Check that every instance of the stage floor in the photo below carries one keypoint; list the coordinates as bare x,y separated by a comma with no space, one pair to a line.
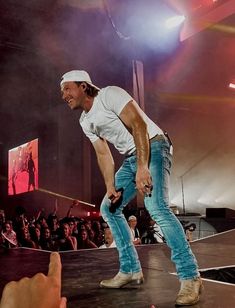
82,271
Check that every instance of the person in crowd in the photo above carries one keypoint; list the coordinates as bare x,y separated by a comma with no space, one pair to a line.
46,241
71,219
91,234
37,224
39,291
9,238
108,239
99,233
111,115
81,226
24,238
152,234
83,240
135,234
20,220
54,226
43,221
157,231
88,224
73,226
35,235
66,241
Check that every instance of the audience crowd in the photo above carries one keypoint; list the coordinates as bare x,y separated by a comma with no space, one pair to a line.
68,233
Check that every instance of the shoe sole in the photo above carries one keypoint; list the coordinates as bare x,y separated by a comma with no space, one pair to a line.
188,304
135,282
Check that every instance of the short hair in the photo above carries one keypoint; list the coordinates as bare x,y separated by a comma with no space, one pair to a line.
90,91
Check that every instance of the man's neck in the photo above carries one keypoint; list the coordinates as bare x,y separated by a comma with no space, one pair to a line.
88,104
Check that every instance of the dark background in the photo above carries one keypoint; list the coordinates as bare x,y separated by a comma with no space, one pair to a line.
186,93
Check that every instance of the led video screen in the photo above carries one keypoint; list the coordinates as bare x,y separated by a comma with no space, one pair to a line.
23,168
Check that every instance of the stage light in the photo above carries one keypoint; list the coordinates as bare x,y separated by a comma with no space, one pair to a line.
174,21
151,26
232,85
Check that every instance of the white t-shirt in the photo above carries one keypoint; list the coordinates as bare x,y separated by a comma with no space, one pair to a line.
134,232
102,120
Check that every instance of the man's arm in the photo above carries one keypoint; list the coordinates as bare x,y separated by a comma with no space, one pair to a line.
107,168
132,118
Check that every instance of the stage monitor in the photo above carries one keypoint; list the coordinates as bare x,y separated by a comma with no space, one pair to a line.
23,168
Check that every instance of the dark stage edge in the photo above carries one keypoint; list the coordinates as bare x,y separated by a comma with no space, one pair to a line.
82,271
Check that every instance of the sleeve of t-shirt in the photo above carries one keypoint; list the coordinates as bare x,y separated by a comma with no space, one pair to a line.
116,98
93,137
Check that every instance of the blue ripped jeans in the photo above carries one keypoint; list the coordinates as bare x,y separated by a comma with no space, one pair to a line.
158,208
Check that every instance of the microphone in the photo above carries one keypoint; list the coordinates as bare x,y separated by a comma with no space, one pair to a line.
114,206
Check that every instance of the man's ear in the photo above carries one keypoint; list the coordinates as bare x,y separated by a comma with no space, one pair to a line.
84,86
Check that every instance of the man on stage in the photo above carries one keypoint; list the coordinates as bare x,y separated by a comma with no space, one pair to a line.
111,115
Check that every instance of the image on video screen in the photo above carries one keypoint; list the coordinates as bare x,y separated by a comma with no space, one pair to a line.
23,168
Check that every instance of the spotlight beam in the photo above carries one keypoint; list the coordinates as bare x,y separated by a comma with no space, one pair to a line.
174,21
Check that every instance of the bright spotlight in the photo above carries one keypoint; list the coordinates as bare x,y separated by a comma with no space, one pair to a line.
232,85
174,21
